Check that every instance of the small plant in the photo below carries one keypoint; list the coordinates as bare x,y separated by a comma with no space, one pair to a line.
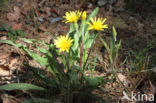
140,57
67,58
113,48
137,62
113,51
12,34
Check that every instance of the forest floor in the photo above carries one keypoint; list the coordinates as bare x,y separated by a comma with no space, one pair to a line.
41,19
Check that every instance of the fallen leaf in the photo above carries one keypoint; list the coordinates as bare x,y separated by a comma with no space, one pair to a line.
26,7
17,10
17,26
55,10
42,28
4,55
12,17
152,87
48,11
5,98
37,13
123,79
15,15
12,63
4,71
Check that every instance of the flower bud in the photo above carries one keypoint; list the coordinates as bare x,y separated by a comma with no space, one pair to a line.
84,16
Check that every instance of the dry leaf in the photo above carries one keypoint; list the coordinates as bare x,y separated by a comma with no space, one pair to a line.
15,15
17,26
5,98
12,17
4,71
17,10
42,28
123,79
26,7
152,87
4,55
48,11
12,62
55,10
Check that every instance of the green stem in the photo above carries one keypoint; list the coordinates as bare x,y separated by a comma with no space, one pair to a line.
67,63
81,49
90,51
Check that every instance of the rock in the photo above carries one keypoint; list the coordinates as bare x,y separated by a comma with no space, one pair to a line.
102,2
131,18
111,1
53,20
140,25
3,38
119,9
90,5
110,8
40,19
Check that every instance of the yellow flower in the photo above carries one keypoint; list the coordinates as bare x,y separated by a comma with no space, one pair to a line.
97,24
72,16
63,43
84,15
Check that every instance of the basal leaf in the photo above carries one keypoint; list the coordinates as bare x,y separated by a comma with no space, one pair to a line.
20,86
11,43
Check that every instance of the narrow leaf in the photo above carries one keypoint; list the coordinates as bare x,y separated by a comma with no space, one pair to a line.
20,86
94,13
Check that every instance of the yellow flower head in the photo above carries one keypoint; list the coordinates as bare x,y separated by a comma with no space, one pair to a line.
72,16
97,24
63,43
84,15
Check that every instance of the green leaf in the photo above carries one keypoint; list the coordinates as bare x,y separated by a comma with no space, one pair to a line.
36,100
27,40
49,81
42,50
114,33
92,81
3,1
11,43
88,43
93,14
71,28
73,75
20,86
5,27
85,55
76,41
40,59
20,33
105,44
86,36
